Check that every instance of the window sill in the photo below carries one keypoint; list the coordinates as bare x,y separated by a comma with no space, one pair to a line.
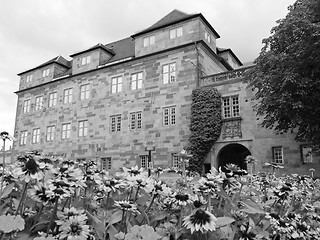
231,119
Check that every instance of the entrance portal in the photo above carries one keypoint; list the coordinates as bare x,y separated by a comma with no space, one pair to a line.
233,153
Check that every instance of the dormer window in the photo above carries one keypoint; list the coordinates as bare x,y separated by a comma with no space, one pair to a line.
85,60
176,32
207,36
147,41
46,72
29,78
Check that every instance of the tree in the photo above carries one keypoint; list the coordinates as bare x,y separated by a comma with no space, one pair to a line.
286,75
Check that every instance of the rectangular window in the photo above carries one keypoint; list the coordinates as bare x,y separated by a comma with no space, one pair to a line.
230,107
176,32
39,103
36,135
66,130
53,99
85,60
26,106
169,73
306,153
116,84
169,116
67,95
175,160
23,138
277,153
207,36
29,78
135,120
84,91
115,123
136,81
46,72
50,133
83,128
144,161
106,163
148,41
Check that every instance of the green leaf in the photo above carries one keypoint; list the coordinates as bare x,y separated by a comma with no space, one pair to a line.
115,218
7,190
223,221
159,216
251,207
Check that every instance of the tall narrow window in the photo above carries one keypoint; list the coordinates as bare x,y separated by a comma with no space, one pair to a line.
136,81
85,60
144,161
169,116
29,78
51,133
53,99
176,32
115,123
23,138
66,130
83,128
36,135
67,95
84,91
106,163
277,155
230,107
148,41
207,36
26,106
169,73
306,153
46,72
175,160
135,120
39,103
116,84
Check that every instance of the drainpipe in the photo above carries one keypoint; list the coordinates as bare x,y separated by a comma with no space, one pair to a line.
198,70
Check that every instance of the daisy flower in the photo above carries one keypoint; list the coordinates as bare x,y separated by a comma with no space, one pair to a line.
67,213
126,206
181,199
74,229
40,193
29,169
200,220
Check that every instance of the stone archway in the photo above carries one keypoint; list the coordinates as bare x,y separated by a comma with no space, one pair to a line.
233,153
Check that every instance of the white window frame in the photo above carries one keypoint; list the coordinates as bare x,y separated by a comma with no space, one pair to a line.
175,32
230,106
169,116
67,95
83,128
116,84
306,154
53,99
36,135
144,161
136,80
115,123
38,103
106,163
85,91
175,160
65,131
29,78
277,155
23,137
85,60
46,72
51,130
169,73
135,121
207,36
26,105
150,40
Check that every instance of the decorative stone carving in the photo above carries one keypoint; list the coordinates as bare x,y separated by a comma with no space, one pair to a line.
231,128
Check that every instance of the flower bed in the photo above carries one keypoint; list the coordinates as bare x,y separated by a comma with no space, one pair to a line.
44,198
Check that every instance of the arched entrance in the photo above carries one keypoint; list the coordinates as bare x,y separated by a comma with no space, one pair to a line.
233,153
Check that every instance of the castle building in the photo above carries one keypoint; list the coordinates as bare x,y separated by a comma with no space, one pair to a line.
117,103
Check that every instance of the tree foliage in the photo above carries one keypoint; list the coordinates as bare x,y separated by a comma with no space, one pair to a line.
205,125
286,74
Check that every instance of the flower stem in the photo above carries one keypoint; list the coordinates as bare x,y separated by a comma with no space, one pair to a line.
152,200
54,212
22,198
136,196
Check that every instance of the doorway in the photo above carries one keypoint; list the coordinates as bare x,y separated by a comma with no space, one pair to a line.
233,153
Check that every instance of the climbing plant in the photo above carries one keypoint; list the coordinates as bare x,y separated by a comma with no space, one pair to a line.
205,125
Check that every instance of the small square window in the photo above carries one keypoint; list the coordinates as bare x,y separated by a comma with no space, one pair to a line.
277,153
176,32
46,72
29,78
85,60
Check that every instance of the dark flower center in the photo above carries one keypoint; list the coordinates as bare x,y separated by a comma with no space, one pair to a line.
31,166
74,228
182,197
197,203
200,217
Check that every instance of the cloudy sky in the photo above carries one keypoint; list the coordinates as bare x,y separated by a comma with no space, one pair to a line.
34,31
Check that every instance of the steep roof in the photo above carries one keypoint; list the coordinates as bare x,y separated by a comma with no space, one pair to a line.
99,45
221,50
58,60
123,48
174,17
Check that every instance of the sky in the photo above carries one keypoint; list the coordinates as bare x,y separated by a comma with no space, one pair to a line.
35,31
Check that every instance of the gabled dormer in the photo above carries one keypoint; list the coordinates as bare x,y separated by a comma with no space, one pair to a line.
175,29
91,58
46,72
229,57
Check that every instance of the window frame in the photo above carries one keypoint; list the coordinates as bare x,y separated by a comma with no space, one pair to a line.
135,80
38,103
67,97
23,138
29,78
46,72
169,118
136,123
26,105
207,36
143,160
275,155
65,132
304,151
50,133
35,136
83,127
148,41
85,60
84,91
176,32
167,75
117,86
115,123
233,109
53,101
175,160
106,163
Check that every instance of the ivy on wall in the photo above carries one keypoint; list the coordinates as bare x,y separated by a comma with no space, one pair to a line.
205,125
